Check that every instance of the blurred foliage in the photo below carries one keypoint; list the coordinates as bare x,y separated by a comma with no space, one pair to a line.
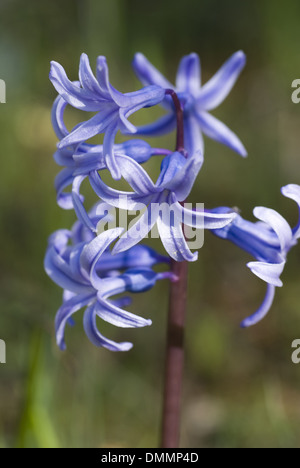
241,389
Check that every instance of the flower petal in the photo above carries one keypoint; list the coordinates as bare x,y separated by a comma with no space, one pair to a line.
57,117
72,93
93,251
193,138
269,272
278,224
119,317
89,128
203,219
90,327
262,310
139,230
219,86
174,241
117,198
135,175
163,125
293,191
147,73
188,76
65,312
218,131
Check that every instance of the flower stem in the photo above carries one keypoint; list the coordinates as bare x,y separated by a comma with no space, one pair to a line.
174,357
176,325
180,126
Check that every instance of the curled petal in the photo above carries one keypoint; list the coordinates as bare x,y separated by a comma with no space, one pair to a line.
139,230
90,327
174,241
89,128
87,78
63,179
135,175
72,93
219,86
183,178
278,224
262,310
203,219
269,272
60,272
188,76
57,117
119,317
65,312
116,198
108,150
293,191
93,251
218,131
80,211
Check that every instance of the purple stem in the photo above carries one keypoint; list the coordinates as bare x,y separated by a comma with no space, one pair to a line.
176,325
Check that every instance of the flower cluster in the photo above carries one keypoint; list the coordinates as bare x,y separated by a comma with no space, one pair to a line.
82,261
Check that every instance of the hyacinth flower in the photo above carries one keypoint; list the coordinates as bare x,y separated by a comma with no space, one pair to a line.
269,240
96,94
162,203
81,270
197,101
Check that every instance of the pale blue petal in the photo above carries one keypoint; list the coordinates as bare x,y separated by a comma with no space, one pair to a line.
90,327
193,138
277,223
174,241
293,191
147,73
117,198
93,251
65,312
139,230
119,317
218,131
262,310
72,93
269,272
89,128
188,76
219,86
61,274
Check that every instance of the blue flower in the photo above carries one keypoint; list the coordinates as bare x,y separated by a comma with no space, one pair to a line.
95,94
268,241
195,99
161,202
90,275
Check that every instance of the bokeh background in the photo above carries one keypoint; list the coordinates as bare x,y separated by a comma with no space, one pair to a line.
241,388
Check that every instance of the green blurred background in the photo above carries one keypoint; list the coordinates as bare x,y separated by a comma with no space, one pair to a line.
241,388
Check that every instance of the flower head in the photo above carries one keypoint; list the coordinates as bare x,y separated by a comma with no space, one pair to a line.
160,202
269,240
96,94
195,99
90,275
